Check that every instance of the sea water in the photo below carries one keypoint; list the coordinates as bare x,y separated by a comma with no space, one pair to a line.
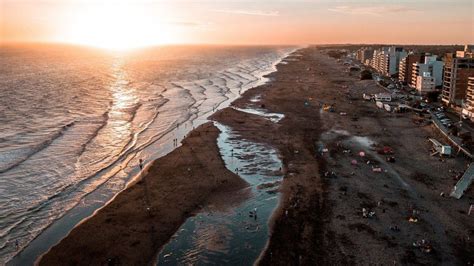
74,122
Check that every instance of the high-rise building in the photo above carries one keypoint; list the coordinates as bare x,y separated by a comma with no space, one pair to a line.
405,68
431,65
387,60
376,58
364,55
468,108
458,68
425,83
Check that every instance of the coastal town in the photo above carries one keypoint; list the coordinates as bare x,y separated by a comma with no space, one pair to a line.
232,132
426,83
422,137
371,174
450,75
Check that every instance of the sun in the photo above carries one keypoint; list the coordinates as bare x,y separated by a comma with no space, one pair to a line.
116,26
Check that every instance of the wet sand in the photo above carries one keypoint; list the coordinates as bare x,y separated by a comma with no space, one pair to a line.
135,224
297,231
319,219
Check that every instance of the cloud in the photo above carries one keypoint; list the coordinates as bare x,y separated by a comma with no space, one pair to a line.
373,10
250,12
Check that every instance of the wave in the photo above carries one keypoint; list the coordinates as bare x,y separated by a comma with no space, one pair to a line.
103,123
180,102
34,149
126,150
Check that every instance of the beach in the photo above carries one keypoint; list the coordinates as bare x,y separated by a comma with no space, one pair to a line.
320,217
131,228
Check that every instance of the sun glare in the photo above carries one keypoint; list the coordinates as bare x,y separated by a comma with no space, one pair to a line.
115,26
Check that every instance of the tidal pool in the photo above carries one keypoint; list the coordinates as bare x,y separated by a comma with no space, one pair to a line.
231,235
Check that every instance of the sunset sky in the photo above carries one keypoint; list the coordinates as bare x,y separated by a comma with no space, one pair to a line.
146,22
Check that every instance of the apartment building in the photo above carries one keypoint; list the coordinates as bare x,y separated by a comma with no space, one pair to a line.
431,65
457,70
468,108
387,60
364,55
425,83
405,68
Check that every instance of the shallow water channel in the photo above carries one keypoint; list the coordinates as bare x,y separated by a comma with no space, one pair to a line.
230,235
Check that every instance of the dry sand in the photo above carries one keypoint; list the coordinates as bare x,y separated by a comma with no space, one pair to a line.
319,220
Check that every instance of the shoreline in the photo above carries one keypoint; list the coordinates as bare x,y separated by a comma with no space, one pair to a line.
290,136
154,206
197,121
61,227
318,218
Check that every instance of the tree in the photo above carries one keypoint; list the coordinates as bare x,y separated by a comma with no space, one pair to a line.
365,74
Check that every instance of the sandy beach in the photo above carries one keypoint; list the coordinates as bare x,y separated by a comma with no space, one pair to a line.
323,213
320,216
142,218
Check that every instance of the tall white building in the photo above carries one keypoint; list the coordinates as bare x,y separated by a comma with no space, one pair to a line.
468,108
387,60
431,65
425,83
458,68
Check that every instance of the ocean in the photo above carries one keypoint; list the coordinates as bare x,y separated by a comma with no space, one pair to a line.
74,121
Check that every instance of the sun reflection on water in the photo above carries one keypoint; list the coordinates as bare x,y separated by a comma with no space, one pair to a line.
124,103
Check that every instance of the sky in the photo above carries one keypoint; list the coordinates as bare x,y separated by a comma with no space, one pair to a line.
131,23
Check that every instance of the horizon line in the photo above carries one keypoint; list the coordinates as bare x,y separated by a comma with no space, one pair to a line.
228,44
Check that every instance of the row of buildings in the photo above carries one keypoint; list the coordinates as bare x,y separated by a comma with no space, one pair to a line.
453,76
